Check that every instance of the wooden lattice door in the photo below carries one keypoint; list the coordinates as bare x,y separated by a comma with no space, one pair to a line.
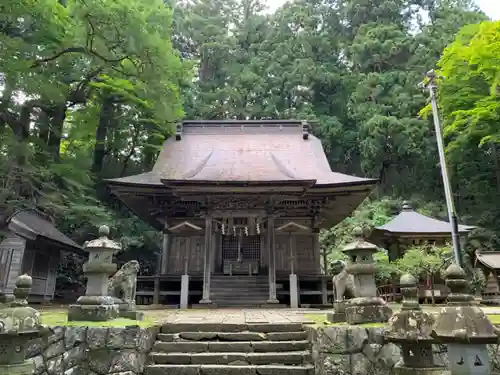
241,254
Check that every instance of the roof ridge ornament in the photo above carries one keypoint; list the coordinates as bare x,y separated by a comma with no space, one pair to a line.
178,131
407,206
305,130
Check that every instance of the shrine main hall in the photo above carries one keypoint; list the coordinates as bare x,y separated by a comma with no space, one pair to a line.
240,205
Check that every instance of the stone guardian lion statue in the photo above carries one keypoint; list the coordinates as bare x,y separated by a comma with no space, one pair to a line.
343,285
123,284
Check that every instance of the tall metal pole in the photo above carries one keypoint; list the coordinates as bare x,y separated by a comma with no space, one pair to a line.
452,215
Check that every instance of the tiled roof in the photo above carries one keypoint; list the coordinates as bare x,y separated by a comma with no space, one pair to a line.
31,224
490,259
410,221
243,151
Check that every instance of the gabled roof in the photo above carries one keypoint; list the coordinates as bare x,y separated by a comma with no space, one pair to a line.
271,151
409,221
489,259
33,225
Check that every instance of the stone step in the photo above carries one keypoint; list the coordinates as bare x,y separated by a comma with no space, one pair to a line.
243,293
222,302
232,358
228,370
232,327
229,346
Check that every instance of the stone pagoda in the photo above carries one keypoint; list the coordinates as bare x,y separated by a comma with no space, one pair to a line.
411,329
96,305
464,327
19,324
366,307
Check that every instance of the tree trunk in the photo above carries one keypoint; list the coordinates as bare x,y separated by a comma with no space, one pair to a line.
101,133
431,276
5,103
496,162
56,129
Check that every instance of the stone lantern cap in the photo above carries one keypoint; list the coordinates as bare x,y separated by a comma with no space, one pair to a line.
410,325
359,244
18,319
461,321
103,242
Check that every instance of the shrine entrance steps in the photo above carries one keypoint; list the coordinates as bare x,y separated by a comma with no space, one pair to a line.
231,349
239,290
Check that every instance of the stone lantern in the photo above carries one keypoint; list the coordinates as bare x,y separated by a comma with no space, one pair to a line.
411,330
96,305
464,328
19,324
366,307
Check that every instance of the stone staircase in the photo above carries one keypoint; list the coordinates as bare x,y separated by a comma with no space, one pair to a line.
227,349
239,290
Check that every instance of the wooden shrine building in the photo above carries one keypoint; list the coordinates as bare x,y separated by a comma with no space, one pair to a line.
240,204
411,228
489,263
32,245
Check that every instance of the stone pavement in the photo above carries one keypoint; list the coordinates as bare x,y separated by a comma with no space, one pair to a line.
233,316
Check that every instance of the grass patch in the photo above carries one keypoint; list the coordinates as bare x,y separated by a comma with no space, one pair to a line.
60,318
494,318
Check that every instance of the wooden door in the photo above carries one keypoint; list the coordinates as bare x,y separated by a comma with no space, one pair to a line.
241,254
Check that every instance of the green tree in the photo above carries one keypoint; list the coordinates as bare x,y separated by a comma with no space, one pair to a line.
425,261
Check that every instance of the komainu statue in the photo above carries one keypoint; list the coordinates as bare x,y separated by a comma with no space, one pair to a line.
123,284
343,285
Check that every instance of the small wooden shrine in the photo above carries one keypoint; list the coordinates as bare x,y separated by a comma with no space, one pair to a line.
410,228
489,263
240,204
32,246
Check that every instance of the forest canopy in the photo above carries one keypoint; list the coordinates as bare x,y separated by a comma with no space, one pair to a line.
91,88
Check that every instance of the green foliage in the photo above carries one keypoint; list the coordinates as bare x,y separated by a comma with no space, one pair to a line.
91,88
424,260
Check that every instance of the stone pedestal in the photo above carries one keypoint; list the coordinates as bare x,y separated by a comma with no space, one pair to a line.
25,368
401,369
294,291
96,305
338,314
184,291
367,310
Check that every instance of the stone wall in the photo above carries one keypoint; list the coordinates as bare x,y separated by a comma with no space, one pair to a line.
93,351
357,350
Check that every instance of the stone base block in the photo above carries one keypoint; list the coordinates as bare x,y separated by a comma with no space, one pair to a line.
93,313
402,370
335,317
360,314
25,368
273,305
134,315
204,306
6,298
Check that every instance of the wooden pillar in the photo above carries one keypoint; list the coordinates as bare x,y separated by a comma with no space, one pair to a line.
156,293
166,244
207,269
324,291
272,260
